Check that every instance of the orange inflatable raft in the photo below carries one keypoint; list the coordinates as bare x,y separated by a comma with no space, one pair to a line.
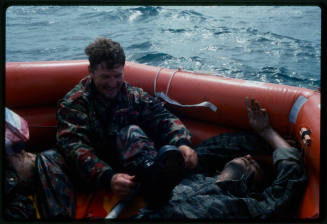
33,88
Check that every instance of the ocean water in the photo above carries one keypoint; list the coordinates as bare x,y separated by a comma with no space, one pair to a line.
278,44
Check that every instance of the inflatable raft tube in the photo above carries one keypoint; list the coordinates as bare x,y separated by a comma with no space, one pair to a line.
33,88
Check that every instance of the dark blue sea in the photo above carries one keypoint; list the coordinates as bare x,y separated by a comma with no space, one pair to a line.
278,44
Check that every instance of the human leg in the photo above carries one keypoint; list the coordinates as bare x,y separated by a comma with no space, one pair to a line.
134,147
158,170
55,191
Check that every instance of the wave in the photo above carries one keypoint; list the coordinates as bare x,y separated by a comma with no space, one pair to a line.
33,10
283,75
142,13
154,58
193,38
119,14
177,30
221,30
147,10
142,46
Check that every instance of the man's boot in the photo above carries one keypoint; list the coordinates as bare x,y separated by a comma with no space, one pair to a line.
161,175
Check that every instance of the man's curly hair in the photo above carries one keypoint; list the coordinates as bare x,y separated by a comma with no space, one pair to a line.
105,51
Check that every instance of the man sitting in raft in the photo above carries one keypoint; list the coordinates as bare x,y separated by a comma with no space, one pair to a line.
115,135
240,190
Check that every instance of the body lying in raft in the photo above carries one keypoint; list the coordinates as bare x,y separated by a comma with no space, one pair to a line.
242,189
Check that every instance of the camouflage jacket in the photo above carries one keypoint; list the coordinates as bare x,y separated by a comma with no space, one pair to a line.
88,124
198,196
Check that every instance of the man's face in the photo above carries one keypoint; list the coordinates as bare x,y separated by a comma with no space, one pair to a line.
24,164
242,166
108,81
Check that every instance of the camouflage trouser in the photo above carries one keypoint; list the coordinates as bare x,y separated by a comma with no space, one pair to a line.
134,147
55,193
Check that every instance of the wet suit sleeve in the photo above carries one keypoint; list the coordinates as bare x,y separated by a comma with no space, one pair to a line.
162,122
280,199
73,137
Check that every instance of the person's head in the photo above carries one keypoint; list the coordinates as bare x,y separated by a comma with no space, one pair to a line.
245,168
23,163
107,60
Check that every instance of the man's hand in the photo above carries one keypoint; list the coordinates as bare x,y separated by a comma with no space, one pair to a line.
259,121
122,184
258,117
190,156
